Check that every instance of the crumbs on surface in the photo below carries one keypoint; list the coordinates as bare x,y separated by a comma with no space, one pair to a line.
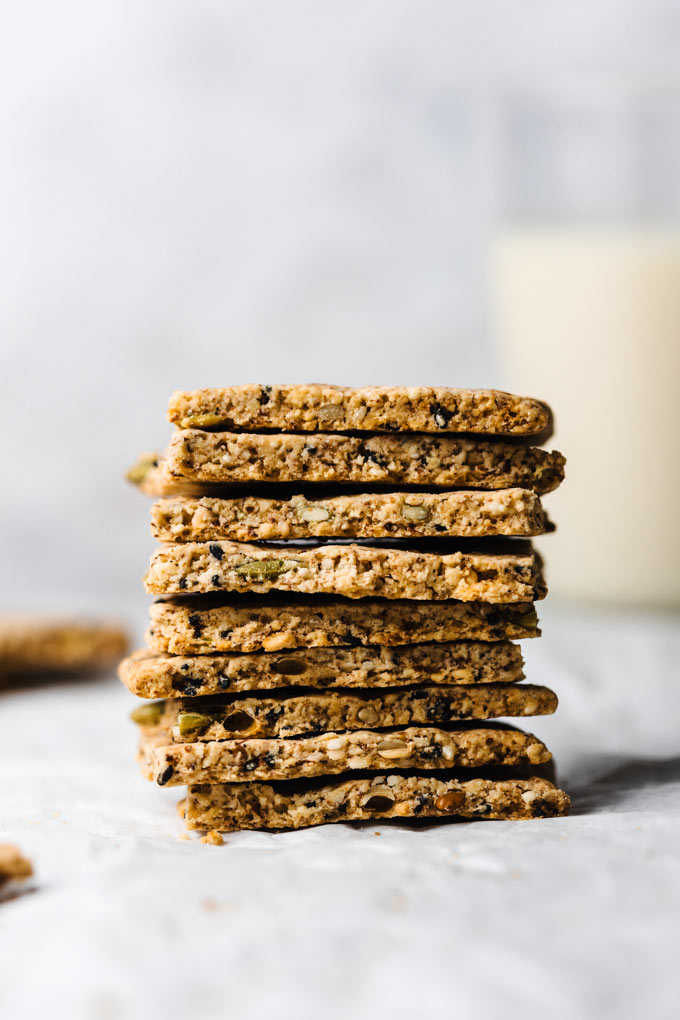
13,864
213,837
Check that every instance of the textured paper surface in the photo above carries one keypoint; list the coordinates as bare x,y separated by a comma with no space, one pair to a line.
567,918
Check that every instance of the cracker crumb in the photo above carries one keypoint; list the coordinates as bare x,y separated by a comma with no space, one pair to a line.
13,864
213,837
397,902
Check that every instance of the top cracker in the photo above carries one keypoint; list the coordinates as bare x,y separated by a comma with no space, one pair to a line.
315,407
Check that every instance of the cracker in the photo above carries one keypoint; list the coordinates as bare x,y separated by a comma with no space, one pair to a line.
468,514
271,623
13,865
285,715
313,407
36,645
353,571
153,675
416,747
214,458
229,807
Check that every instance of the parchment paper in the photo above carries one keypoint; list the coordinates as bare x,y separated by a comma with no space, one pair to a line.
563,918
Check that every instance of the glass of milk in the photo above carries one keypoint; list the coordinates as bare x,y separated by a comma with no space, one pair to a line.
586,287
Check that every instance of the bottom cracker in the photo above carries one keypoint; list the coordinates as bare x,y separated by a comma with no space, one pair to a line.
294,805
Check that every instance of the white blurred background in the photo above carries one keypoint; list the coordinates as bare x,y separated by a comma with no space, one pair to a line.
210,193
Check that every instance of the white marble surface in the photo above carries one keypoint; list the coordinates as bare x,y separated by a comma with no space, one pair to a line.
566,918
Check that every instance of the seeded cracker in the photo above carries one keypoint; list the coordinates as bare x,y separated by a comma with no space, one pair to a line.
467,514
284,715
324,408
228,761
153,675
219,458
35,645
271,623
354,571
297,804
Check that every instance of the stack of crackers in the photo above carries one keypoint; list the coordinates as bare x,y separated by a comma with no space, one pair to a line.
342,577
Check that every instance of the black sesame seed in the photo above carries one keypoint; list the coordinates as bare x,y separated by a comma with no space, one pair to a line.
441,416
421,801
440,709
431,753
216,550
216,580
165,776
186,684
182,583
377,458
196,623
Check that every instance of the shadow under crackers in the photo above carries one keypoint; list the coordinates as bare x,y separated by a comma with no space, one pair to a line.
15,891
605,782
28,683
